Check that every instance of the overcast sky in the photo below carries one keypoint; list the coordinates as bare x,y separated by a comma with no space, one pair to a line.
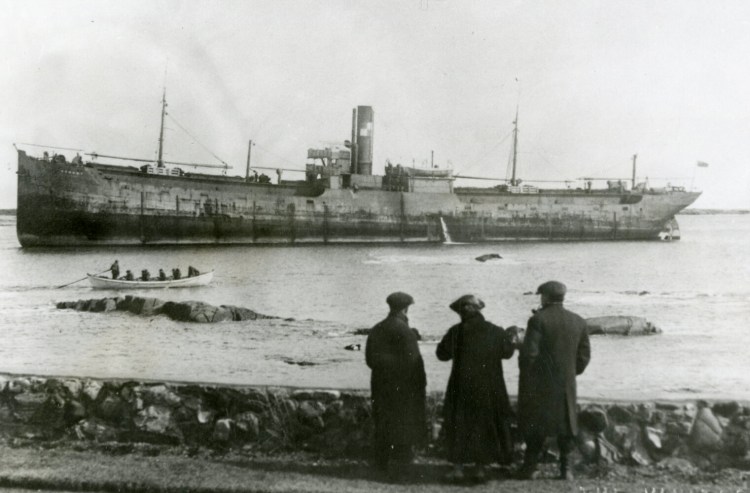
595,81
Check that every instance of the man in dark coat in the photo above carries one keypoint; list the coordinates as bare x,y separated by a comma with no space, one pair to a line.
397,387
555,349
477,411
115,268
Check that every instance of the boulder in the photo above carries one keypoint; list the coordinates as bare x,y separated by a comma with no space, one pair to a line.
223,430
73,386
205,313
727,409
311,410
18,385
27,405
239,313
103,305
621,325
653,437
488,256
205,416
248,424
123,303
82,305
666,406
145,306
159,395
679,428
593,419
621,414
706,432
200,312
176,311
92,389
73,411
92,429
114,409
156,420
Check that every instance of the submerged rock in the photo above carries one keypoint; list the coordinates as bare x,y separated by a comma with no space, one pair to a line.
488,256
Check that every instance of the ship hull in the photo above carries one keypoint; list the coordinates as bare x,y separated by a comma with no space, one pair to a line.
64,204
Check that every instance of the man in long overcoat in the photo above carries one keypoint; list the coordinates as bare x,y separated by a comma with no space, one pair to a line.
397,386
477,411
555,349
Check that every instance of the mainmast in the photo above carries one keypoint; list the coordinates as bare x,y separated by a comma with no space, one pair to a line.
513,182
159,161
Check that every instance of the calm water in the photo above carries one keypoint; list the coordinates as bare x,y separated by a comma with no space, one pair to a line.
697,291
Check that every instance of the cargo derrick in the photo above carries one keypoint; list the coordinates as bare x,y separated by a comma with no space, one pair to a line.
65,203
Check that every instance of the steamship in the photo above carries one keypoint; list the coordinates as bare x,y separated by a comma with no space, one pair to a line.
81,201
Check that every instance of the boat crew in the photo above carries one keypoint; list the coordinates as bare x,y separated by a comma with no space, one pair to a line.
145,275
176,274
162,275
128,275
115,268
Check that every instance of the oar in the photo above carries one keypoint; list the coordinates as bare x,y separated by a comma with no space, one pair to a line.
83,278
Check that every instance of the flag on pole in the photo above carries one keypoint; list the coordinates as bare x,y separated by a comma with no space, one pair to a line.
701,164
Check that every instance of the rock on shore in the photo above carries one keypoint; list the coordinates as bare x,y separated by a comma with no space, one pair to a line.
183,311
681,436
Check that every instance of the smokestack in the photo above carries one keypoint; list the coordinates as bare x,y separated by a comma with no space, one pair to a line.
365,131
354,142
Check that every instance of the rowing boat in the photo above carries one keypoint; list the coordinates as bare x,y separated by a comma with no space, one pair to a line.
100,282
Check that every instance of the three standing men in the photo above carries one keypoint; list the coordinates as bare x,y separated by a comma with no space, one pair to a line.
555,349
398,385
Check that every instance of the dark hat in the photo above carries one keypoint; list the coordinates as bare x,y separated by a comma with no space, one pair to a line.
399,300
554,290
466,300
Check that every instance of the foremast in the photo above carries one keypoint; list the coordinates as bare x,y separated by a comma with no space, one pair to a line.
159,160
513,181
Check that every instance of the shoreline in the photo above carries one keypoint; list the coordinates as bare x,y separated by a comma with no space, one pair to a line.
696,436
582,399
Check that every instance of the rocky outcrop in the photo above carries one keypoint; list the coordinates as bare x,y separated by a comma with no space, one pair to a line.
621,325
676,436
182,311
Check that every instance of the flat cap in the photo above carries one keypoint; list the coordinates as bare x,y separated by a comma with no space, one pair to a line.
467,300
399,300
554,290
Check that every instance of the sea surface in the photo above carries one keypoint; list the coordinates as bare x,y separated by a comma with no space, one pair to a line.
697,290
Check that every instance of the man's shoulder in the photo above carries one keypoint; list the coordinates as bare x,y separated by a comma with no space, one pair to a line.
556,312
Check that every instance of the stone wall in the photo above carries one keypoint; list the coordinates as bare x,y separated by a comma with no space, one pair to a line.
334,423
